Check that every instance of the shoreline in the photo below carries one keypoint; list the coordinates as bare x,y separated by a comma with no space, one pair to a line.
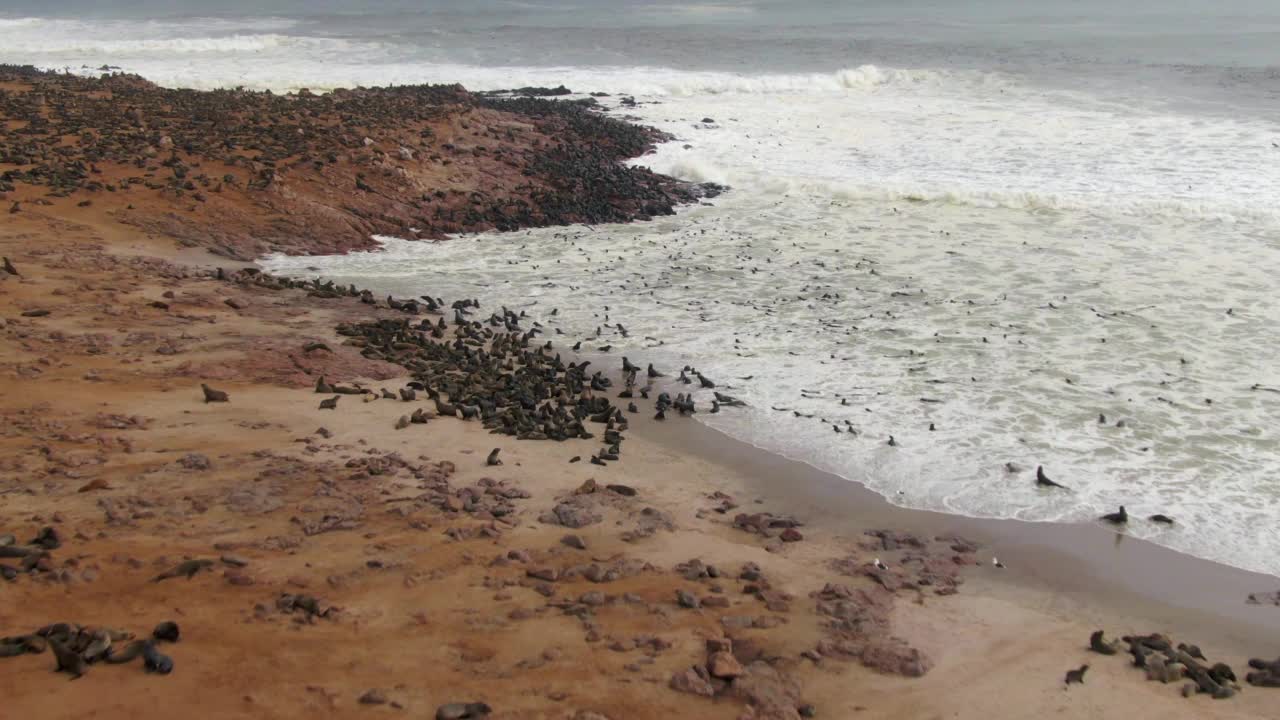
348,548
1186,591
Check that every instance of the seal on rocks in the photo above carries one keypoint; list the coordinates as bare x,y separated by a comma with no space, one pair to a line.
211,395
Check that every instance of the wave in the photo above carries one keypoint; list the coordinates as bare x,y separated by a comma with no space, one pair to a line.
175,46
1029,200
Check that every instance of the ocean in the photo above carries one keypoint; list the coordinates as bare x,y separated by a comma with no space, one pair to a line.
1027,233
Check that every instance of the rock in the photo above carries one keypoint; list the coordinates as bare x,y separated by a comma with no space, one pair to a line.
693,680
574,541
895,657
236,303
791,535
195,461
373,696
771,694
715,601
724,665
686,599
547,574
94,484
234,560
589,715
462,711
573,516
592,598
405,153
624,490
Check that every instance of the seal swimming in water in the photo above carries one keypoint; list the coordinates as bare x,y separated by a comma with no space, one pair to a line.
1116,518
1043,480
330,404
211,395
68,661
1162,519
188,569
1076,676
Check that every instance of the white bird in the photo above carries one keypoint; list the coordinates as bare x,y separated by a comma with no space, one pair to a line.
996,562
881,565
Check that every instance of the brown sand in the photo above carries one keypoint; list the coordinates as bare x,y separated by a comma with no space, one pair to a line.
429,618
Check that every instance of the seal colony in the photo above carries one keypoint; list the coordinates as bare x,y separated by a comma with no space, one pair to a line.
245,173
314,561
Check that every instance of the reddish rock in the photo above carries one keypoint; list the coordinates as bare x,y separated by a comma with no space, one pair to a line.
724,665
791,535
694,680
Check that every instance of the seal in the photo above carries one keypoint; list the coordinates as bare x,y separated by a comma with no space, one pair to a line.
1076,676
69,661
188,569
211,395
493,457
330,404
167,631
1116,518
1098,645
1162,519
155,661
1043,480
130,652
98,647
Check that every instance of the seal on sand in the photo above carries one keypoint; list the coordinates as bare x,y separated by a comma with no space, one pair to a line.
1098,645
211,395
155,661
1076,676
167,631
330,404
188,568
493,457
68,661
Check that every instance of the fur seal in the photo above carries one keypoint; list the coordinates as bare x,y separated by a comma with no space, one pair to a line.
167,631
1192,650
9,268
403,422
462,711
47,538
1076,676
130,652
211,395
408,394
330,404
188,569
1162,519
69,661
155,661
99,645
1043,480
1098,645
493,457
322,387
1116,518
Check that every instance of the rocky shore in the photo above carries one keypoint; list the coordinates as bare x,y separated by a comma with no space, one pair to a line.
373,505
244,173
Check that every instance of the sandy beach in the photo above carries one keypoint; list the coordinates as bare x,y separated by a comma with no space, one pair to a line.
360,569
